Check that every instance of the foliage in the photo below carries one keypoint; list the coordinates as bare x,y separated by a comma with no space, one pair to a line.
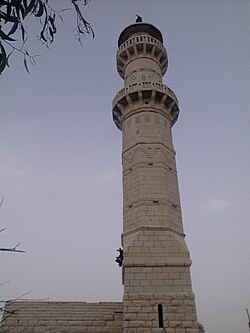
14,14
4,314
9,249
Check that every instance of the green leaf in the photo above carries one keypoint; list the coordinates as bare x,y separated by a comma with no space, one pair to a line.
23,11
32,5
14,28
52,22
26,65
7,59
3,36
39,13
3,58
51,35
6,17
23,32
25,4
43,37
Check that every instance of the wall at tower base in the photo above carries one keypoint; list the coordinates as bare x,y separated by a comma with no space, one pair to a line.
62,317
141,313
103,317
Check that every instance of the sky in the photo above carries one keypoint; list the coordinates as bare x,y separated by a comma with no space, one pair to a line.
60,156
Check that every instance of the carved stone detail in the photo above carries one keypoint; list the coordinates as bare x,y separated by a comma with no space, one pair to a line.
148,94
141,46
153,152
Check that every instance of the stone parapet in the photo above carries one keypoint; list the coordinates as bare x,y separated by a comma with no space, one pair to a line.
151,96
142,46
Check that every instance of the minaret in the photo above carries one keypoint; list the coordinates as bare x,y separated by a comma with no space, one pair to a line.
158,294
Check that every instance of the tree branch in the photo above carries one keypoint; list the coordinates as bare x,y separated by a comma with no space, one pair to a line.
13,14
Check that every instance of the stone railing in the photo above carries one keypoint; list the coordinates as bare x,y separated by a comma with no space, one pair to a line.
140,46
139,39
145,85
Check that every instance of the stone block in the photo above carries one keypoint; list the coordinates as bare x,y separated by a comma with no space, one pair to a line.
188,324
175,324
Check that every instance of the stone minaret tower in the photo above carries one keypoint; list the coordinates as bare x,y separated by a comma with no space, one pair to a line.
158,294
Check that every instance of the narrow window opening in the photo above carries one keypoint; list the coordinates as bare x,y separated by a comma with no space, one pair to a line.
155,201
160,316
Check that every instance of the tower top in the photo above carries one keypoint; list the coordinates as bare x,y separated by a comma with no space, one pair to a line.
137,28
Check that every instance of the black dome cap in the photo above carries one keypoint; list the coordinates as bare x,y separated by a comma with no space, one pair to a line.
139,27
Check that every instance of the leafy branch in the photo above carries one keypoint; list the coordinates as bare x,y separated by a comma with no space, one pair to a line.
14,14
8,313
10,249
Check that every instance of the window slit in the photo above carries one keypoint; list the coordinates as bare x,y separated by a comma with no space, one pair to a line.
160,315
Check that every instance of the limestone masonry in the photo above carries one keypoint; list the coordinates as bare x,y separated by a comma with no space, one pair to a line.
158,294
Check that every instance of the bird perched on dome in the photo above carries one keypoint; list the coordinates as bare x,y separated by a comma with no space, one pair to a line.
138,19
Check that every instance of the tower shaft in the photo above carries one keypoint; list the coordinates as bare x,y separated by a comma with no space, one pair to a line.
156,267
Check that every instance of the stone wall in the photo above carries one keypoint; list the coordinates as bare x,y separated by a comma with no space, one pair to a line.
62,317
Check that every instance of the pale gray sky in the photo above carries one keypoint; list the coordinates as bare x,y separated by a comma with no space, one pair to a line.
61,157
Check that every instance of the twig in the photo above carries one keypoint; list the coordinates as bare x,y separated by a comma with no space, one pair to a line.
2,284
1,201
